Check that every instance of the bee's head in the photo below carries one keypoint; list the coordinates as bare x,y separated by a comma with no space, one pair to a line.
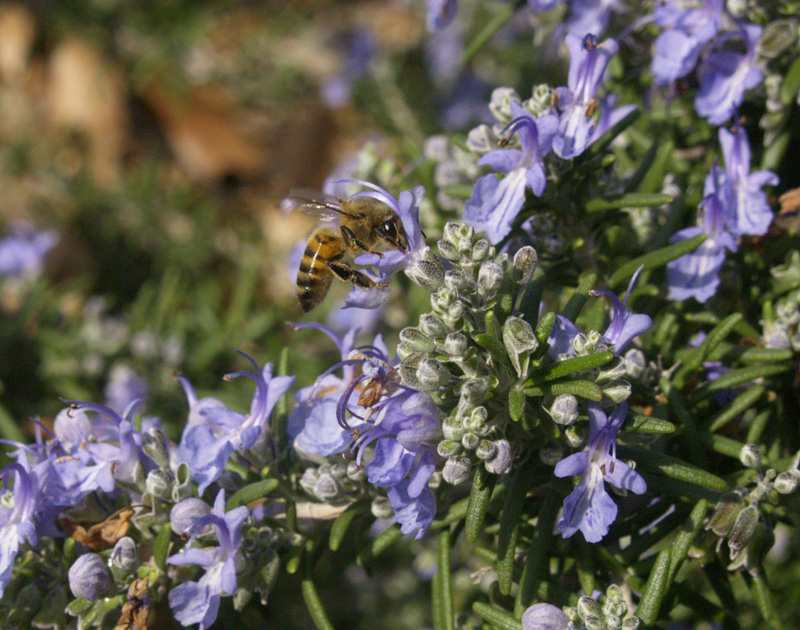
391,230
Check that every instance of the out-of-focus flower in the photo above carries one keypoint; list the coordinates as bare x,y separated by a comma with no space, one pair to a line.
496,203
440,14
697,274
725,75
124,387
589,507
540,6
214,432
590,16
578,102
753,214
358,50
23,249
686,31
198,602
544,617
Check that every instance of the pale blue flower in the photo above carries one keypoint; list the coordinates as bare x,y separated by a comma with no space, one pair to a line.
544,617
23,249
17,511
589,507
725,75
753,214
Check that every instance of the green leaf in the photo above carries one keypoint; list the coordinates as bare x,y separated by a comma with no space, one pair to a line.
637,423
314,605
342,523
656,259
161,546
654,461
738,377
462,191
791,83
693,361
457,512
631,200
740,404
545,327
583,389
495,617
530,302
494,344
560,369
586,283
509,524
251,492
385,540
536,561
655,589
479,496
444,602
683,541
763,597
516,404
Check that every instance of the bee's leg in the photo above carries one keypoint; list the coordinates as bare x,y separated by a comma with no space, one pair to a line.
353,243
358,279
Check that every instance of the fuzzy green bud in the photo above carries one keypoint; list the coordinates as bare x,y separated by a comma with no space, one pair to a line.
456,281
750,456
416,340
426,270
635,363
453,429
476,420
500,462
519,339
432,326
525,261
470,441
485,449
786,482
611,371
154,444
125,555
490,279
355,472
728,508
594,623
618,391
474,391
456,344
448,448
588,607
743,529
481,249
159,483
613,622
631,623
431,374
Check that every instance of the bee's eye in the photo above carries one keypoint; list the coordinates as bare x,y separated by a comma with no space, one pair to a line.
389,230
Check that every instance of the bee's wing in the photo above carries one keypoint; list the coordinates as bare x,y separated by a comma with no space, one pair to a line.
316,204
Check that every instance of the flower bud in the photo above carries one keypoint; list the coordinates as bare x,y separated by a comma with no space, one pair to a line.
154,444
786,482
381,508
448,448
426,270
432,326
159,483
443,299
635,363
518,338
588,607
594,623
490,279
266,574
551,453
476,420
89,577
525,261
614,595
416,340
453,429
454,314
728,508
486,449
455,232
564,410
470,441
500,103
456,470
328,488
613,622
456,344
481,250
575,436
743,529
618,391
750,456
355,472
182,488
631,623
456,281
242,597
501,462
125,555
611,371
482,139
474,390
184,514
448,250
432,374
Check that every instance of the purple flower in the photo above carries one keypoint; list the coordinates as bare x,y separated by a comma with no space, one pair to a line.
540,6
589,507
496,203
440,15
678,47
89,577
124,387
16,516
544,617
753,214
23,250
578,102
198,602
214,432
590,16
415,514
724,77
313,426
358,49
625,325
697,274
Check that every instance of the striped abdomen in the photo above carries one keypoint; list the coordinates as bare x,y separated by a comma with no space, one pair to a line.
314,275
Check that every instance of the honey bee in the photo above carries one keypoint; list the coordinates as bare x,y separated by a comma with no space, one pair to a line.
365,225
